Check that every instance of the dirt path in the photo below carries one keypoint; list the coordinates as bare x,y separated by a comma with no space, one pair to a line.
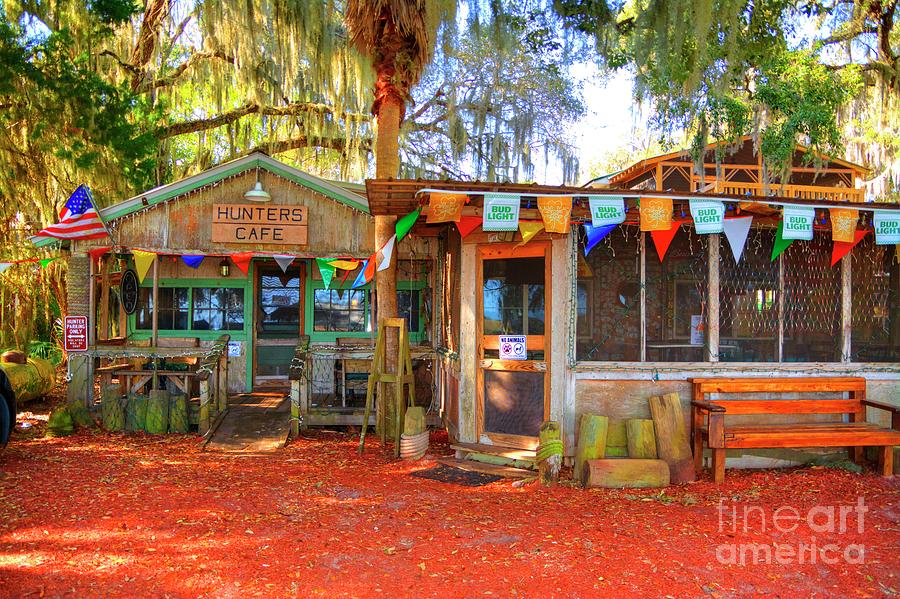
109,515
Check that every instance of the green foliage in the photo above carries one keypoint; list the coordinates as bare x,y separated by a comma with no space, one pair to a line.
803,98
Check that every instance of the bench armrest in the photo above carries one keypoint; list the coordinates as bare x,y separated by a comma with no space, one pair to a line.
880,405
708,406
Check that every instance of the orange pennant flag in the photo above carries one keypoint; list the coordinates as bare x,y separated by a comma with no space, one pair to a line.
842,248
656,214
445,207
556,212
663,239
843,224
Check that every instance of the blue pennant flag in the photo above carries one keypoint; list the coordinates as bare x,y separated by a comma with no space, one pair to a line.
193,260
595,235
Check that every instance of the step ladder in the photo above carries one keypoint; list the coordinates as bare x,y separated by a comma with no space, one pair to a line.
402,381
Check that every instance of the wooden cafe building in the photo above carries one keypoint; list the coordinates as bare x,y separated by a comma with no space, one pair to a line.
525,303
221,280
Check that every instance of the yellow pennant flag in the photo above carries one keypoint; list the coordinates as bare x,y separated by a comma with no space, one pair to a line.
843,224
344,264
656,214
528,229
445,207
556,212
142,262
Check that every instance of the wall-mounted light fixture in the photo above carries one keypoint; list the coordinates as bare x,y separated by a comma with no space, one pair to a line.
224,267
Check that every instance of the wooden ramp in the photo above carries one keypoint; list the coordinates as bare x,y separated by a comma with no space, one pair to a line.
255,422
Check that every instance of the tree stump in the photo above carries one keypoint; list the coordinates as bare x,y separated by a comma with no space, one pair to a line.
591,445
641,438
549,453
672,439
616,439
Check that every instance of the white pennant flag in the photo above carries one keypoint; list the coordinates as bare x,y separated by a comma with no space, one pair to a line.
283,260
386,253
736,230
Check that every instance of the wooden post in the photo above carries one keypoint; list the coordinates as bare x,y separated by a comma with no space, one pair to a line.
295,408
591,444
712,300
104,298
204,407
548,467
846,309
222,379
155,316
780,315
643,250
672,443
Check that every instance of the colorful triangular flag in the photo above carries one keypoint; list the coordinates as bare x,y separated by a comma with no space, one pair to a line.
326,269
528,229
781,243
467,224
842,248
96,253
283,260
445,207
366,272
656,214
386,254
663,239
843,224
595,235
193,260
736,231
344,264
242,261
406,223
46,261
142,262
555,211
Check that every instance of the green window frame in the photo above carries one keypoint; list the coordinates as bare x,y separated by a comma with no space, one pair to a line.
142,330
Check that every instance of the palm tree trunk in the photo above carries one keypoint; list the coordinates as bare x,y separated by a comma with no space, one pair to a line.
387,165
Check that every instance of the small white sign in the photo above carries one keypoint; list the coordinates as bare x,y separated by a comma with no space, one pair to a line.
234,349
513,347
696,329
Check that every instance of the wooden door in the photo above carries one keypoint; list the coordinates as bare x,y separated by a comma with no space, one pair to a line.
513,298
279,302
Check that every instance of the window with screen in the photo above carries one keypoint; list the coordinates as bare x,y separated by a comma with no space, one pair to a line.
279,301
218,309
173,309
340,310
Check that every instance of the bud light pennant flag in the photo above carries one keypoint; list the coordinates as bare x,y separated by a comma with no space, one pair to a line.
887,227
501,212
708,215
798,223
606,210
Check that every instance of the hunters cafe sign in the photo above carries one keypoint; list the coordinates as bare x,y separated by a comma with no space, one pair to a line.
254,224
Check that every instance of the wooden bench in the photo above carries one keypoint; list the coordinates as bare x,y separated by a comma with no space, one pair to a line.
837,396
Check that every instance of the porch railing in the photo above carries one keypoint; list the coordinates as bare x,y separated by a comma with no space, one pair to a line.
212,373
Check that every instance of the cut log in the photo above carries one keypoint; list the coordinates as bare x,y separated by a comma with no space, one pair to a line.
672,440
178,414
591,445
641,438
414,421
616,439
549,452
626,474
31,380
158,412
111,409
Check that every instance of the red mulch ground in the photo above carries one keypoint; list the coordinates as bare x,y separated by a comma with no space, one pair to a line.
109,515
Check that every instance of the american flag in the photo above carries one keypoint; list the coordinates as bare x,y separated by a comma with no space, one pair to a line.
78,219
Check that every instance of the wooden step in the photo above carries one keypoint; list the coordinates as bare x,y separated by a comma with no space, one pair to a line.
504,471
511,453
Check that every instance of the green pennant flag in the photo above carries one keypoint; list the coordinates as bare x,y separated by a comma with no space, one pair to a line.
46,261
326,269
781,243
406,223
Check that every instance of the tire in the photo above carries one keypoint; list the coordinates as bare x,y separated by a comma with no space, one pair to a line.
7,409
